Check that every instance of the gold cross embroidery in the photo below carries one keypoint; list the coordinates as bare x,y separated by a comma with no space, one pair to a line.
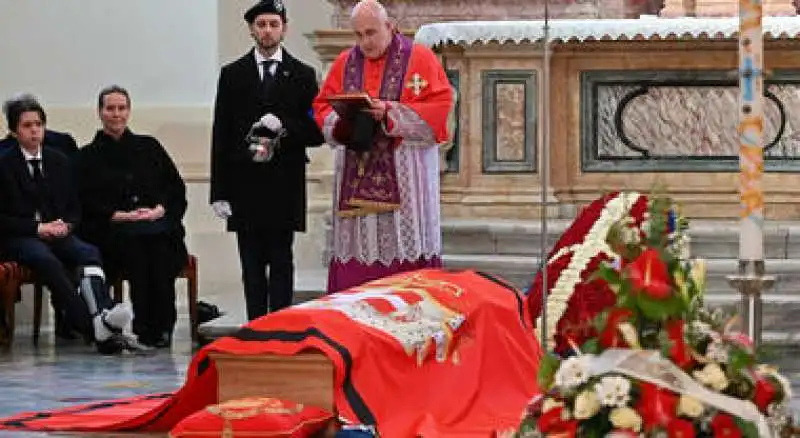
417,84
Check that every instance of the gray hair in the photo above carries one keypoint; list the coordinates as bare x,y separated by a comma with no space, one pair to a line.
371,7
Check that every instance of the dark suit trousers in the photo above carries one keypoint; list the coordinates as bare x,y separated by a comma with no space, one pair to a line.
49,261
267,270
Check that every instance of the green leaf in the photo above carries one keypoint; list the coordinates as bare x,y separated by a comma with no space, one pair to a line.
600,321
739,359
526,428
592,346
596,427
547,370
748,429
608,273
659,310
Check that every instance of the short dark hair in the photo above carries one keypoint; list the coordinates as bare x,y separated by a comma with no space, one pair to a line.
111,89
16,106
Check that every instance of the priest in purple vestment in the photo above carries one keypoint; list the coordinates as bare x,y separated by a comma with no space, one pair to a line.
386,215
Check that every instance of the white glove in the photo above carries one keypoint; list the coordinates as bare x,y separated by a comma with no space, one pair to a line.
222,209
271,122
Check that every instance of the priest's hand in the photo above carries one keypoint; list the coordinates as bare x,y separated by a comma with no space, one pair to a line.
378,109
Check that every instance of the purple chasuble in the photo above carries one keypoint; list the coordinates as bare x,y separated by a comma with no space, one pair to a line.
369,182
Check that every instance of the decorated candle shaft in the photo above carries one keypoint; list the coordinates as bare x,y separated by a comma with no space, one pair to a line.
751,124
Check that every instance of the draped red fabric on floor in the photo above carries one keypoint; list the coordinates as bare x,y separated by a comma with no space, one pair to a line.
430,352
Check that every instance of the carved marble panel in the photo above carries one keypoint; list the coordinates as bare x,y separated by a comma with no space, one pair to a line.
510,127
681,121
509,121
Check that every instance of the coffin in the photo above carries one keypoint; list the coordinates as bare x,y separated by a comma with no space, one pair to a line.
305,378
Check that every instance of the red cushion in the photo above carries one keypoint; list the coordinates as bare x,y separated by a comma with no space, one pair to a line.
253,417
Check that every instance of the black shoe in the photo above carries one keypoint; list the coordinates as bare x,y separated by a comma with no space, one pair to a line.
163,340
111,346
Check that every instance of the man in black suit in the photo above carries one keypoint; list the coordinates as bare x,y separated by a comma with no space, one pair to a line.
39,209
263,196
60,141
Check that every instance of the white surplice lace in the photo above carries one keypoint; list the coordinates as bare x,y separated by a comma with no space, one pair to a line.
411,232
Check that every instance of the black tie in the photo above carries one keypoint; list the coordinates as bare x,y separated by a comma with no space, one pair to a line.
267,80
41,190
36,163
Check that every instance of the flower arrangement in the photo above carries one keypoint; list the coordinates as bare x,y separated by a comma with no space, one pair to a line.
656,362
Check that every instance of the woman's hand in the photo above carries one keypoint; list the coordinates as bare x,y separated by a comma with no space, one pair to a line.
151,214
125,216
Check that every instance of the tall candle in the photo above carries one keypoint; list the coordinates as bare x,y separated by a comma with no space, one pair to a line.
751,126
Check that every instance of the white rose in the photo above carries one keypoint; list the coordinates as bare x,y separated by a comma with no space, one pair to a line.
586,405
690,407
571,373
712,376
625,418
550,403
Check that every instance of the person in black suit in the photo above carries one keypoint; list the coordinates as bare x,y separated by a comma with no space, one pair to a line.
39,209
64,143
263,196
134,201
60,141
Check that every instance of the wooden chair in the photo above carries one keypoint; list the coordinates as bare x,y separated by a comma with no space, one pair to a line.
14,276
8,298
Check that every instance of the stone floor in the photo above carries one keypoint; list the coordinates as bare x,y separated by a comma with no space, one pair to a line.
63,374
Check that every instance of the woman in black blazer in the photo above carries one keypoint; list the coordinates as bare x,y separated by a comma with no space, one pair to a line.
133,202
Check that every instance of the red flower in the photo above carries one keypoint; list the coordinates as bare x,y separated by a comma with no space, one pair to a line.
724,426
550,420
679,352
649,274
678,428
567,429
657,406
610,337
764,394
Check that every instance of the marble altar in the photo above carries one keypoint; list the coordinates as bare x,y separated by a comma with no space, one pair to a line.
634,102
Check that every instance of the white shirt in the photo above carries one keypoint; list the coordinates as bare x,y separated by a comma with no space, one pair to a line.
277,56
37,156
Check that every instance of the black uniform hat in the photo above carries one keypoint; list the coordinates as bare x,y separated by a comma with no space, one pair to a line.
266,7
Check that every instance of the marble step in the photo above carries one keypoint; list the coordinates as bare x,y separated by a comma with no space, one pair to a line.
710,239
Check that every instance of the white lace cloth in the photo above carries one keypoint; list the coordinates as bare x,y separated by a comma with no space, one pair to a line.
411,232
472,32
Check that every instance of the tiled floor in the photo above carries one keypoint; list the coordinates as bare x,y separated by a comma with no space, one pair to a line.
53,376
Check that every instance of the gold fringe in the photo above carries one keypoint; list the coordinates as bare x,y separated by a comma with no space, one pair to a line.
364,208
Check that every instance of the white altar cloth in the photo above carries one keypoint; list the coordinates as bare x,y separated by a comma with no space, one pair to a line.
472,32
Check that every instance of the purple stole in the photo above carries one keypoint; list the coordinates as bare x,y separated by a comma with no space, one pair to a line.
369,183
